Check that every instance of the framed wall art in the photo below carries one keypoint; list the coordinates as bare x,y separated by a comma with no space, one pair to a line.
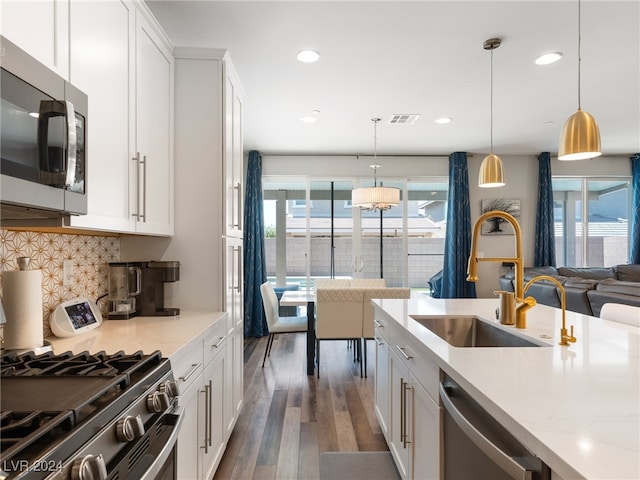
498,225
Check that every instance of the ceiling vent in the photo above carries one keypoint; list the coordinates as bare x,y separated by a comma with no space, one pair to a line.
405,118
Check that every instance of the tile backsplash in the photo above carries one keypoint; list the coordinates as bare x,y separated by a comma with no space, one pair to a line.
90,255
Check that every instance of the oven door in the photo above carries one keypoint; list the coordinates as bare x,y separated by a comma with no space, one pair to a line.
164,463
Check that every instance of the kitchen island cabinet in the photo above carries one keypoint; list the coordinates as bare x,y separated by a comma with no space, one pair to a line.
196,342
575,407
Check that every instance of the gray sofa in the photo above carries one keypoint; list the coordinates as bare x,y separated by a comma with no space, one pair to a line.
586,289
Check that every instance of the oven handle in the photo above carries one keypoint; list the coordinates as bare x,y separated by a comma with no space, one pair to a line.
158,463
500,458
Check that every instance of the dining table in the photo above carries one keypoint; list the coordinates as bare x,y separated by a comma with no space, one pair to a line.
301,298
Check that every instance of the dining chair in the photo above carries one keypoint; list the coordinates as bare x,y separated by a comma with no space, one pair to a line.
338,317
617,312
277,324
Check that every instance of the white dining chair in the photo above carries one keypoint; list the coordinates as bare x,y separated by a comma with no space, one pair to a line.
275,322
618,312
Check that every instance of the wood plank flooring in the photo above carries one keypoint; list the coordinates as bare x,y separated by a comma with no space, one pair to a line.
289,418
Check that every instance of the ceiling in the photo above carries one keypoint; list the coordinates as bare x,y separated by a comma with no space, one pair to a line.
379,59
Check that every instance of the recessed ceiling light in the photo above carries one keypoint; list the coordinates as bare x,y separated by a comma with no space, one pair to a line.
308,119
308,56
443,120
548,58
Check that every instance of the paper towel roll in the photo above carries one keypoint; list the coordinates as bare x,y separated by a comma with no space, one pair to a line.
22,301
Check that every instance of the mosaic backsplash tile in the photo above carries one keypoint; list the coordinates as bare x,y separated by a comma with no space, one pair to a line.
90,255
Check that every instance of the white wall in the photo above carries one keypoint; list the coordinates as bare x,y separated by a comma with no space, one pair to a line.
521,175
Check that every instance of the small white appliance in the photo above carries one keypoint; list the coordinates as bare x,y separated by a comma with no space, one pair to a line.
75,317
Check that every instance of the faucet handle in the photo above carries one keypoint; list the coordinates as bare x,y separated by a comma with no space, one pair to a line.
564,338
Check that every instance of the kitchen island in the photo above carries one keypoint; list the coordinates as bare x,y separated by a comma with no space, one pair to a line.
576,407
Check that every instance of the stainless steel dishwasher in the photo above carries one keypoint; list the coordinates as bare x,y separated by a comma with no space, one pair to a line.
476,446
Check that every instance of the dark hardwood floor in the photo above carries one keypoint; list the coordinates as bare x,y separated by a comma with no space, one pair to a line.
289,418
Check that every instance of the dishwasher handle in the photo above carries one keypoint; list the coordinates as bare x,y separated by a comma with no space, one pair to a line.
501,459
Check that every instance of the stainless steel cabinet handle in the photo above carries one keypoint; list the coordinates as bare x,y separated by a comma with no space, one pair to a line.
237,273
405,440
402,411
378,341
210,412
237,208
504,461
220,340
136,159
194,369
144,188
207,419
404,354
377,323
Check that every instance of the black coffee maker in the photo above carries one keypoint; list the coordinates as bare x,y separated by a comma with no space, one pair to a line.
137,289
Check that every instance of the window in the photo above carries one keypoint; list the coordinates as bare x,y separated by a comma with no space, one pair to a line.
591,221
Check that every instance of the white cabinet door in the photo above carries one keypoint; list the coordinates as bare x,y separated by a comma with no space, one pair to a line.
214,421
397,440
424,433
381,388
191,432
39,28
152,165
101,66
233,153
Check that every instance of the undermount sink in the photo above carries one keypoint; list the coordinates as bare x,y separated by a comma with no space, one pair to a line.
470,331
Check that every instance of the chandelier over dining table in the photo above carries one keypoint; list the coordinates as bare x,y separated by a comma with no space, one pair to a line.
376,197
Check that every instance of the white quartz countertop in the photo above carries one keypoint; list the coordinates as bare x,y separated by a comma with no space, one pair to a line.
146,334
577,407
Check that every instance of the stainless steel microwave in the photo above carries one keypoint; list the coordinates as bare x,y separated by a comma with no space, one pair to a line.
43,152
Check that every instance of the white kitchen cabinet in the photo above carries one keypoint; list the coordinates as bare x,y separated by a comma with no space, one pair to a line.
233,152
189,438
151,191
101,66
50,19
381,382
202,369
213,406
234,307
410,409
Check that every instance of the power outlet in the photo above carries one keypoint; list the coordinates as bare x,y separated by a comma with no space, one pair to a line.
68,272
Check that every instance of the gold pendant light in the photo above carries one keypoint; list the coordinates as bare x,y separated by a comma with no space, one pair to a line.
491,168
376,197
580,138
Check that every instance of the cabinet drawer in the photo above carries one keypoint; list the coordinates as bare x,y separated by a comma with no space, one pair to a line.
215,339
413,354
187,364
381,323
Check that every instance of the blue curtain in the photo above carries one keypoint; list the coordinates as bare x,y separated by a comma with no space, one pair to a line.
634,240
545,246
255,270
457,244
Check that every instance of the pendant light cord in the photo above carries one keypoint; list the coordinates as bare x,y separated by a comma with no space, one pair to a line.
491,106
579,57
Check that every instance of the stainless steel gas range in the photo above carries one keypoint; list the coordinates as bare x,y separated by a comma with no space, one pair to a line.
88,416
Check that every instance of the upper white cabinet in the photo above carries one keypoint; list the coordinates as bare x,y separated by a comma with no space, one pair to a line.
117,54
41,29
233,152
152,188
101,65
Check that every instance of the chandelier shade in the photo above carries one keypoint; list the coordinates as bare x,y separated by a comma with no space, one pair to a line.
491,172
375,198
